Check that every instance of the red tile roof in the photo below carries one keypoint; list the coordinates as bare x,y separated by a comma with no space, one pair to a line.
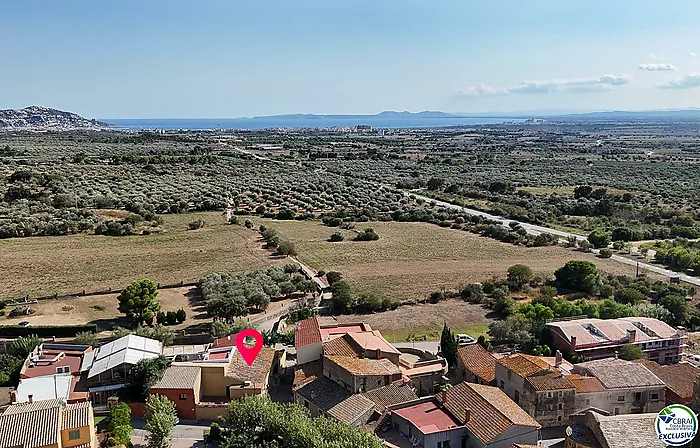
550,381
679,378
479,361
524,365
491,412
307,332
585,384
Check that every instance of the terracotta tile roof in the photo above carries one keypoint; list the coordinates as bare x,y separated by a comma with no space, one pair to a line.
585,384
616,373
524,365
308,372
550,381
257,372
520,445
479,361
491,411
20,424
337,402
365,366
179,377
76,415
37,424
679,378
394,393
307,332
343,346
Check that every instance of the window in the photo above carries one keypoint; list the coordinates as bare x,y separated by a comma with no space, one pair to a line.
183,396
617,411
74,434
638,396
63,369
549,395
446,444
306,404
654,396
561,406
559,418
502,384
509,375
561,393
517,397
620,398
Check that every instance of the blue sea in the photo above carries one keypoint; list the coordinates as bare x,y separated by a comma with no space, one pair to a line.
296,123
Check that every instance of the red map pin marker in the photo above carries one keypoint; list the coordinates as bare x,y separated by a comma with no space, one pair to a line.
249,353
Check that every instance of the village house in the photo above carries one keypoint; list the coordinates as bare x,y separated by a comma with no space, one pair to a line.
678,378
595,429
201,389
603,338
627,387
475,364
541,389
466,415
55,370
48,424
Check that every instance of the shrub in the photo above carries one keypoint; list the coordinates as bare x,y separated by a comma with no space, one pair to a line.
171,317
336,237
333,277
196,224
286,248
367,235
148,317
181,315
605,253
86,338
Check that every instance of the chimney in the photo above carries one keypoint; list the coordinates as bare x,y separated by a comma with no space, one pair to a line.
631,335
573,342
444,396
13,396
467,416
30,397
557,359
53,338
379,353
616,353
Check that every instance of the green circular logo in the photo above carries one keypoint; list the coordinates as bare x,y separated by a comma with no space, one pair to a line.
676,425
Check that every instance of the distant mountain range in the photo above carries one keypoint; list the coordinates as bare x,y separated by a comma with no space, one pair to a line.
387,114
550,114
37,118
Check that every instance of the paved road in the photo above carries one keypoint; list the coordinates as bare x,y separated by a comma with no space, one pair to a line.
535,230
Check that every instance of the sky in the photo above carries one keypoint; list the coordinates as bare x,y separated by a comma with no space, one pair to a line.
234,58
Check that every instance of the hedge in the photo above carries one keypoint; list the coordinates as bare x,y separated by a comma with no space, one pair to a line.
46,331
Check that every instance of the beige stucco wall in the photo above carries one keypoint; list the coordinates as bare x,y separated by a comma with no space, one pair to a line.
86,436
211,413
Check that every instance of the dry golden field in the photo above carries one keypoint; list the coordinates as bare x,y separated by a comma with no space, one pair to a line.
68,264
410,260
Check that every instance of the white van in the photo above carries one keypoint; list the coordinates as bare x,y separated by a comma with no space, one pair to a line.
465,339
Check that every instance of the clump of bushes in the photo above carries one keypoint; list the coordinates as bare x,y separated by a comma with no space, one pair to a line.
367,235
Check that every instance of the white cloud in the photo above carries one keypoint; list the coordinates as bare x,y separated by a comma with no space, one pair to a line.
657,67
691,54
576,85
652,56
689,81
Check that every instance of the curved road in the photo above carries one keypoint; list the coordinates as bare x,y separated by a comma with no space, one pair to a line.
535,230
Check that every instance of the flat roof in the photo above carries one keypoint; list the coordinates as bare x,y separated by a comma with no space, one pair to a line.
46,387
428,417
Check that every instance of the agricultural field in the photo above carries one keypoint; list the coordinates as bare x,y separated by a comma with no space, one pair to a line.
41,266
411,260
424,321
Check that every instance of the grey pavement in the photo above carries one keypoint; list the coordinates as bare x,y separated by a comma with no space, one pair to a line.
535,230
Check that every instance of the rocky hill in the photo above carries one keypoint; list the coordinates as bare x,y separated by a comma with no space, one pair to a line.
37,118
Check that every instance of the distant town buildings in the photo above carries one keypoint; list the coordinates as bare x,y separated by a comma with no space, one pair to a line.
594,429
603,338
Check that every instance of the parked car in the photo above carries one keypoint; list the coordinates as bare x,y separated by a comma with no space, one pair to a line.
24,323
465,339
